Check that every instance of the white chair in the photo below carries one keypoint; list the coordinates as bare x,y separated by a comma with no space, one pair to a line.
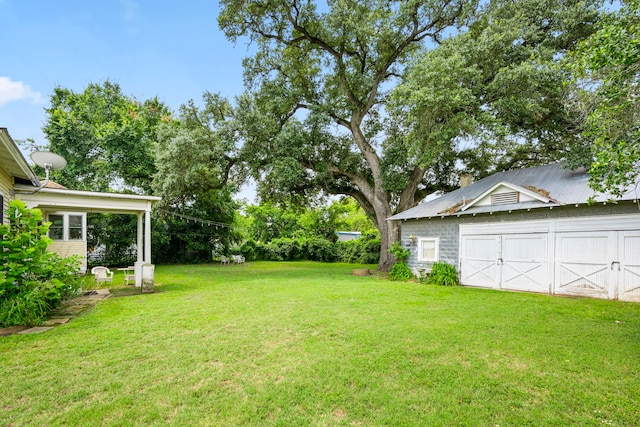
238,259
224,260
102,275
129,275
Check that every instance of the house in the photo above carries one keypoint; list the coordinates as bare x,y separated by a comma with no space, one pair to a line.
67,209
531,230
345,236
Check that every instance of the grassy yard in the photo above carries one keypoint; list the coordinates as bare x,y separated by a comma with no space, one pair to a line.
308,344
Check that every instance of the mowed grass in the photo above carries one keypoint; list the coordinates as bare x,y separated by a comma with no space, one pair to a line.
308,344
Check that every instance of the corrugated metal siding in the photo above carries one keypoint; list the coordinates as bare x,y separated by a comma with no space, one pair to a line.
565,186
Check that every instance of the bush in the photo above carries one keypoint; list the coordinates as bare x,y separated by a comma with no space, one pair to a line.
400,271
364,250
248,250
399,253
32,281
27,308
318,249
442,274
285,249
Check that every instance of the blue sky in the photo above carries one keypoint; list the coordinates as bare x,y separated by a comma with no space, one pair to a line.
169,49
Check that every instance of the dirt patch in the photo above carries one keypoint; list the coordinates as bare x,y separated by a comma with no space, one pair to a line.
361,272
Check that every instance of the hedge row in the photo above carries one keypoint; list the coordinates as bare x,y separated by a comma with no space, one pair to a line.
365,250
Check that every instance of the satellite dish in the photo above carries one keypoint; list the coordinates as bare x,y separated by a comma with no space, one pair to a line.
48,160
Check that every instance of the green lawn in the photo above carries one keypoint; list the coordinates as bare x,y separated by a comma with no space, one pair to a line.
308,344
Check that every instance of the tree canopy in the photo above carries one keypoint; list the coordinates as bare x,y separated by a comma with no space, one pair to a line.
107,137
113,142
607,92
493,98
318,119
338,65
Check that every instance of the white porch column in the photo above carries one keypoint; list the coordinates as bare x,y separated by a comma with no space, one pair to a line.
147,235
139,253
139,241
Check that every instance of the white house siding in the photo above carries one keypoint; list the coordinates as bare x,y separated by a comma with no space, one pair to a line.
69,248
6,185
523,258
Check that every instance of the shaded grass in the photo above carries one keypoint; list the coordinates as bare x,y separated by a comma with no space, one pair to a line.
308,344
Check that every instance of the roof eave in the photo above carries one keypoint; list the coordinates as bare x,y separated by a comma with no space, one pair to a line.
17,157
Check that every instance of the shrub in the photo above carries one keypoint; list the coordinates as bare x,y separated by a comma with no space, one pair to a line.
285,249
32,281
347,251
399,253
319,249
27,308
442,274
248,250
400,271
365,250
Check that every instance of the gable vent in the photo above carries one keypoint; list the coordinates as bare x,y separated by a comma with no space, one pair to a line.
504,198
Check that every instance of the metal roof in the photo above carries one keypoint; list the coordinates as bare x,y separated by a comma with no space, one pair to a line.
564,187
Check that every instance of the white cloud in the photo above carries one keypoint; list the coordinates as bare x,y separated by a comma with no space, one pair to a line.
130,9
16,91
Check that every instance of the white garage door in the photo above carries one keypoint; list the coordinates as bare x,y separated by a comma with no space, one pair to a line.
582,264
629,276
599,264
479,261
507,261
581,257
525,262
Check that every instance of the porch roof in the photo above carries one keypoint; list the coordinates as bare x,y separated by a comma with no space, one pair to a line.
84,201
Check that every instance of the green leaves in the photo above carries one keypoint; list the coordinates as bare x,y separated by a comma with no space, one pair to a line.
496,91
607,79
105,136
32,280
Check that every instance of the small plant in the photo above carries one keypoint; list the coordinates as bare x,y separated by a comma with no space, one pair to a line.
442,274
400,272
400,254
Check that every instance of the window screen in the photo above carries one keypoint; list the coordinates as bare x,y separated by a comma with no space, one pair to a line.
75,227
56,229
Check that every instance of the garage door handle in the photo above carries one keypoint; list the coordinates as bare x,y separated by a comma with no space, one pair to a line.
615,262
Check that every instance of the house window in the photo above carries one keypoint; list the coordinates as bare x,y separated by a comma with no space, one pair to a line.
66,226
56,229
75,227
428,249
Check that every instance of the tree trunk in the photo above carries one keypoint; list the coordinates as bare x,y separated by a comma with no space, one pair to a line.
386,260
388,234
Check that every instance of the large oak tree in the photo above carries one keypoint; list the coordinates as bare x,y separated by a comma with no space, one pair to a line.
318,117
337,63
